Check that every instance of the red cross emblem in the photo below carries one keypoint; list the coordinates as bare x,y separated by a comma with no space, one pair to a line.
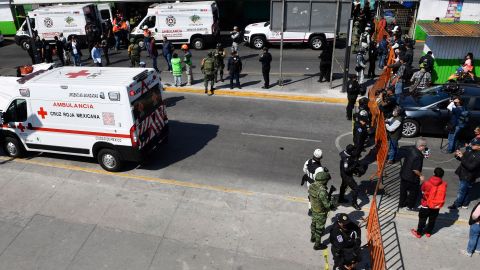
81,73
42,113
21,127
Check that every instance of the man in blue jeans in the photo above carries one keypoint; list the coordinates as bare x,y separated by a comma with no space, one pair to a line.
457,122
468,172
474,234
394,128
382,51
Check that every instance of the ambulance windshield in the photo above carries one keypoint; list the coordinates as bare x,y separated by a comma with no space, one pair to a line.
146,104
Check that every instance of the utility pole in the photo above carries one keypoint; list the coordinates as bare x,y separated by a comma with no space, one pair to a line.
334,42
346,64
280,80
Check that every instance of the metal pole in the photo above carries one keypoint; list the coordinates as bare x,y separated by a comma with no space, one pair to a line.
280,80
334,41
346,64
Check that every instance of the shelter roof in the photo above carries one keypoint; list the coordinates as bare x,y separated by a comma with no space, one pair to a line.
441,29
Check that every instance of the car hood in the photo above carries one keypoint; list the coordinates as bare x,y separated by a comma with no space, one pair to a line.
253,26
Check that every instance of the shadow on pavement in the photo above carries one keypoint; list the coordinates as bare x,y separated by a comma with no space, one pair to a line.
185,140
249,83
172,101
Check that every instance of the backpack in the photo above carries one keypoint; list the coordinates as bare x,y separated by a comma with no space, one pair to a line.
208,65
436,197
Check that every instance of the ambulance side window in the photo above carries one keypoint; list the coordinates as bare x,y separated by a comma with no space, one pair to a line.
150,21
17,111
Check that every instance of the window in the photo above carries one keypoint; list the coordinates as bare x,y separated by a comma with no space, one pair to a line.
105,14
147,103
17,111
150,22
476,105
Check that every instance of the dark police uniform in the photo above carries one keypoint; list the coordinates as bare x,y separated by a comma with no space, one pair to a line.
345,241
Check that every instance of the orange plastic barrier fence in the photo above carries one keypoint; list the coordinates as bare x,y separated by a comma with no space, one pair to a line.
374,235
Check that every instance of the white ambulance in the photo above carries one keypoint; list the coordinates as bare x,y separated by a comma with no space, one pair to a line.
181,22
111,114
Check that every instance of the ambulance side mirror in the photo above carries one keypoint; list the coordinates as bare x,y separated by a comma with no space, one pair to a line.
1,117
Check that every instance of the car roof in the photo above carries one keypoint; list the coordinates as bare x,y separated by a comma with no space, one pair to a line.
58,8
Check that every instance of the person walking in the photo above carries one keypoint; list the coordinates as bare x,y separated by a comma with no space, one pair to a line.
382,51
167,50
325,63
134,51
411,173
353,91
219,61
372,59
458,121
236,38
234,67
208,69
266,59
394,129
187,59
346,239
59,46
360,65
474,233
347,167
360,136
311,167
153,53
434,191
96,54
177,69
46,51
76,52
321,205
468,171
104,46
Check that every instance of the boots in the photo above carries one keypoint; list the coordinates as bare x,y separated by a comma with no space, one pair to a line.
312,238
319,246
356,206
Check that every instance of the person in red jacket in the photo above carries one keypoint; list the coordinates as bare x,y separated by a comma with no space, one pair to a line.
433,198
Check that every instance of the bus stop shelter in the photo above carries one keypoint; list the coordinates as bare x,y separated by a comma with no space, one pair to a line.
449,43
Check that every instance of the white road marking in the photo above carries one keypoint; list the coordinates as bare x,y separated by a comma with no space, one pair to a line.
337,140
280,137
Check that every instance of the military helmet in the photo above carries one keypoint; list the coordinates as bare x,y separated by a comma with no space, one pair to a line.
323,177
357,23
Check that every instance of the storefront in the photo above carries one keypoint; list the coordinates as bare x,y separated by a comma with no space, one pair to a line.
449,43
403,13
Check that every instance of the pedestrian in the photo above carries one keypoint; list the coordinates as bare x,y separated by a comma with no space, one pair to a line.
39,51
208,70
187,59
219,61
310,169
434,191
46,51
365,38
177,69
420,79
476,131
468,171
458,121
31,50
372,59
474,234
382,52
134,51
325,63
411,173
146,37
360,65
427,60
104,46
388,102
321,205
234,67
153,52
96,54
236,38
59,48
345,237
398,78
360,136
356,36
394,129
76,52
348,164
167,50
353,90
266,59
66,57
116,32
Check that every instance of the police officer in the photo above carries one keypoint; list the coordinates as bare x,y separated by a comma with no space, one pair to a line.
360,136
345,237
325,63
208,69
310,169
266,59
347,167
353,90
321,205
219,61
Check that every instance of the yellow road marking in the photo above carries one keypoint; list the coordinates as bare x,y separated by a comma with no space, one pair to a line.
265,95
177,183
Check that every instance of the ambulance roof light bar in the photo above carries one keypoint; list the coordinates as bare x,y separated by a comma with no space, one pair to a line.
30,76
142,76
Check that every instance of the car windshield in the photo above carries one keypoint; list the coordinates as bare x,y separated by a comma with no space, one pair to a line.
430,96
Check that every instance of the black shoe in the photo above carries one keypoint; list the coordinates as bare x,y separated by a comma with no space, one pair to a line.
453,207
356,206
263,87
310,212
206,92
312,239
342,200
349,118
320,246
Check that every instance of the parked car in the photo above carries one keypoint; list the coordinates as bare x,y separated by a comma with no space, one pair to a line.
258,35
426,113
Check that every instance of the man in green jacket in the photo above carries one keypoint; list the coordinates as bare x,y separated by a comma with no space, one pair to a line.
321,205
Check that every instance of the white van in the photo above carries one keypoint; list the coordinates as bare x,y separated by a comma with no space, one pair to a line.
181,22
111,114
67,19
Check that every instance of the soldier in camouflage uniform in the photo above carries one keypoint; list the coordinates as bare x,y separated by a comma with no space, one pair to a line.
321,205
208,69
356,36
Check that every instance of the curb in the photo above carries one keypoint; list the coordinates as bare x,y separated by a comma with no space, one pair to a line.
262,95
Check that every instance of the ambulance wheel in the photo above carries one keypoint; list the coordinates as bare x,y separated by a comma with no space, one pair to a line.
12,147
25,44
109,159
198,43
